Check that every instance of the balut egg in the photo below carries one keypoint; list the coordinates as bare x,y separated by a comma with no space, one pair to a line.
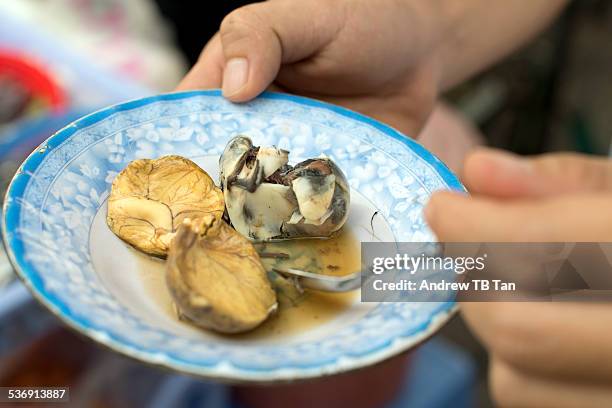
216,278
268,199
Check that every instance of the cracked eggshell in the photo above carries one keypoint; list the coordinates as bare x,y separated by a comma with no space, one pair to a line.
216,278
256,209
268,199
150,198
323,196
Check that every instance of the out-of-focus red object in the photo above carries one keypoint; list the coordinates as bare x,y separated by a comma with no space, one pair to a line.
56,359
33,78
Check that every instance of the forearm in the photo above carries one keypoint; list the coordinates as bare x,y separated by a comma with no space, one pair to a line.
474,34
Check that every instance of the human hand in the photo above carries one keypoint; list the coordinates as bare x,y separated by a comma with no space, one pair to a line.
556,197
371,56
541,354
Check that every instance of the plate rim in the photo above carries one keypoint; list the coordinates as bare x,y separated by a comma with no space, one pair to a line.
10,218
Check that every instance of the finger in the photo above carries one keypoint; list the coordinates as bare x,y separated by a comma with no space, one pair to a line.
455,217
513,388
565,341
501,174
257,38
207,72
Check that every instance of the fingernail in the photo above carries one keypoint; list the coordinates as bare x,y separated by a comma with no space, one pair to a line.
235,76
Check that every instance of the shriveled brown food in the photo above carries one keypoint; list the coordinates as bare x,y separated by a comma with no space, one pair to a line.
216,277
150,198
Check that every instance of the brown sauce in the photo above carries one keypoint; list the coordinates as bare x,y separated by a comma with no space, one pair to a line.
336,256
314,309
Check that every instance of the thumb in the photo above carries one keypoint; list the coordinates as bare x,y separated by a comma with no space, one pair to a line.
584,217
258,38
501,174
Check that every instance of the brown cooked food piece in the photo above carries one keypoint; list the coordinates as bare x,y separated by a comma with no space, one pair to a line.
150,198
216,277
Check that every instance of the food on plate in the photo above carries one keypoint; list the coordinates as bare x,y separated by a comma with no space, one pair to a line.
216,278
149,199
170,207
266,198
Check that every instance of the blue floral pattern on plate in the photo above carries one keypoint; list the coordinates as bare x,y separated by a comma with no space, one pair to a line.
54,197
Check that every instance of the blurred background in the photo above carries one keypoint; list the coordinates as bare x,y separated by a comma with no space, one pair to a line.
61,59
